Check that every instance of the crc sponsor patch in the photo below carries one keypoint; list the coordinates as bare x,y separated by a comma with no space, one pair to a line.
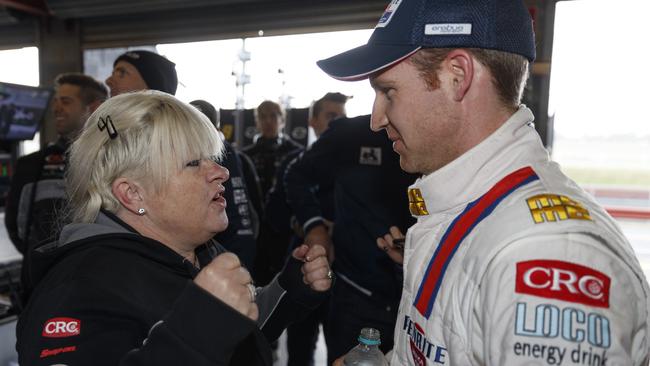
558,336
421,348
61,327
563,281
554,207
55,351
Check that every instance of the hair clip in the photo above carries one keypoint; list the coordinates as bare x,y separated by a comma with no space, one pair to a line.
108,125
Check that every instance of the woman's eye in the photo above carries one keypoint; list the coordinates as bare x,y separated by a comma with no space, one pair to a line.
215,159
196,162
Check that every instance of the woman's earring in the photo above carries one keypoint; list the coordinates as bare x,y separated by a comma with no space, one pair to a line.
141,211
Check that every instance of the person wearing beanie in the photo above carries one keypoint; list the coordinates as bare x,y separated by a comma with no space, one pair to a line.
140,70
510,262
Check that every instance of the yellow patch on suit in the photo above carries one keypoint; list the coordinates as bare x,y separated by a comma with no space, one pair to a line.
416,203
554,207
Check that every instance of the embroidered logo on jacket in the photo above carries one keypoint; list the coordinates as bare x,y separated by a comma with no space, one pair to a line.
554,207
563,281
421,348
53,352
370,155
416,203
61,327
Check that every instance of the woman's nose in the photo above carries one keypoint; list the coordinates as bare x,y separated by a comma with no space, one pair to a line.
219,172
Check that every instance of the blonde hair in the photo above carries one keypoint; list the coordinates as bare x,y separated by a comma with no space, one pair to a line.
156,136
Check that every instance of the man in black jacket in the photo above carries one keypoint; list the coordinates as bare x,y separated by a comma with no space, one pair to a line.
369,198
303,335
271,145
36,192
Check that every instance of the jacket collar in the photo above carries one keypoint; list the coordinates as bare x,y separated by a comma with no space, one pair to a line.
509,148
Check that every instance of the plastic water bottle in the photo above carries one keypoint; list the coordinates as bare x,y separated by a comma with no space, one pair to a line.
367,352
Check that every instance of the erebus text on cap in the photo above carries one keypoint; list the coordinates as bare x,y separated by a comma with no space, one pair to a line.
408,25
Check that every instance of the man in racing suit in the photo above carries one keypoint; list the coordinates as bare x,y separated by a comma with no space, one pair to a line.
510,262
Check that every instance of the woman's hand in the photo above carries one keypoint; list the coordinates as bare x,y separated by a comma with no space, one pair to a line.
316,270
393,244
231,283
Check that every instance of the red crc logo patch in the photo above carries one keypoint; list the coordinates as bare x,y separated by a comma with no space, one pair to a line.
61,327
563,281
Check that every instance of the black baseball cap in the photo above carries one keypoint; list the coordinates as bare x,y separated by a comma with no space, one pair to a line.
409,25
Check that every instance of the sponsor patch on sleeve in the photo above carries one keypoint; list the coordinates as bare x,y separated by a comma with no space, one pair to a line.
61,327
565,281
554,207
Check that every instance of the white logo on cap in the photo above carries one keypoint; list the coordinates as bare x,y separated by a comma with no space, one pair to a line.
388,13
450,29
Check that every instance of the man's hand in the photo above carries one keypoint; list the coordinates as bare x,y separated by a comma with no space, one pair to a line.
338,361
319,235
316,270
225,279
393,244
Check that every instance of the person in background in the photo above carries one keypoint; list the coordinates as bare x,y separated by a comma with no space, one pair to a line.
36,192
508,255
141,70
239,237
271,146
268,151
369,199
302,335
133,280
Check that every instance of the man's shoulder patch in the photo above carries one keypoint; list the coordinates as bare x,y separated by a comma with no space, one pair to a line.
549,207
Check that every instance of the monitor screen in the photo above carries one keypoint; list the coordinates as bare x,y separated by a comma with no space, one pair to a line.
22,109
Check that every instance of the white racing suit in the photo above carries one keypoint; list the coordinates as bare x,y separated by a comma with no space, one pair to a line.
511,263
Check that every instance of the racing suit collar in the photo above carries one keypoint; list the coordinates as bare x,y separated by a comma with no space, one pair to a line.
457,183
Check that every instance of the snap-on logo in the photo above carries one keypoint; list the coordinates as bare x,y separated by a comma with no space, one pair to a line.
61,327
564,281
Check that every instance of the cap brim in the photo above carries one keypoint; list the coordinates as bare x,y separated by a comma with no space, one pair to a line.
361,62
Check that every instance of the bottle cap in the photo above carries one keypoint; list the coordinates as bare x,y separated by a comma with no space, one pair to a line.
370,337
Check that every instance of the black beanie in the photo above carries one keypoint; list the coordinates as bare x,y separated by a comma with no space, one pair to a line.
207,109
158,72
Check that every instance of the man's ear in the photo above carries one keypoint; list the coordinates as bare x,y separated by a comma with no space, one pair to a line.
311,122
94,105
129,193
460,64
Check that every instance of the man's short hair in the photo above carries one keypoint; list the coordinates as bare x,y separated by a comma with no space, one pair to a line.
90,90
268,104
209,110
509,71
334,97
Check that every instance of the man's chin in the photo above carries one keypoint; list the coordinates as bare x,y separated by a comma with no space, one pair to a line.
406,165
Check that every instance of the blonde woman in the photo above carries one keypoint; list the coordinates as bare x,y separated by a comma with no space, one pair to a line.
130,281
